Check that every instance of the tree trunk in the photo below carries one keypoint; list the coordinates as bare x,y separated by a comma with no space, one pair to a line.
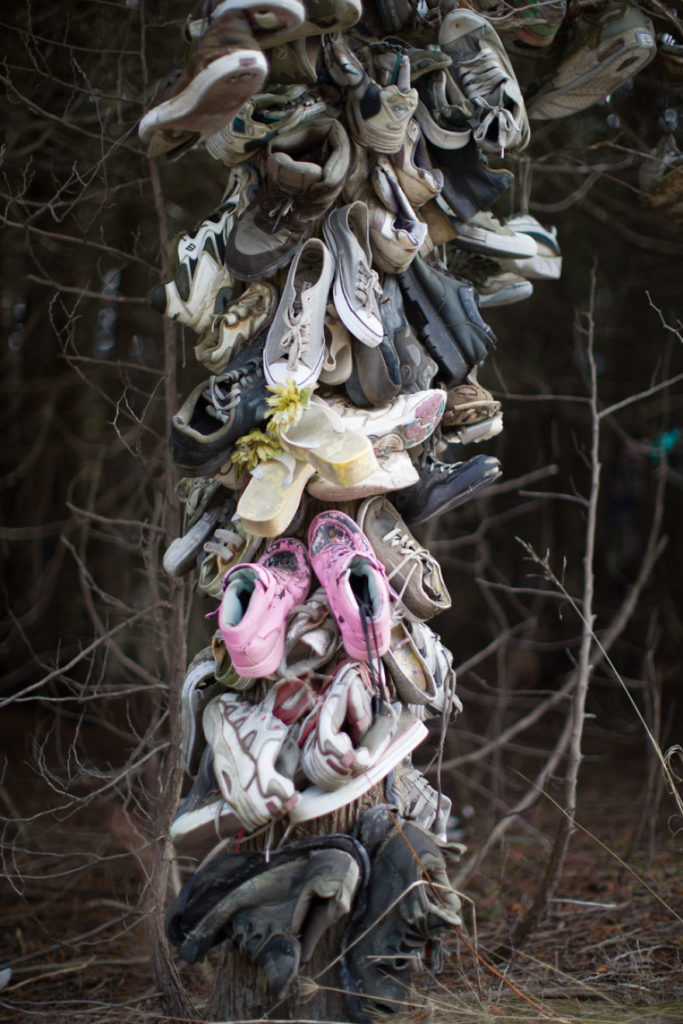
240,992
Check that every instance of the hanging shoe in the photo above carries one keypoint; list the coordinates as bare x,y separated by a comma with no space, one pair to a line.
607,46
410,904
302,174
355,583
257,598
485,74
236,322
218,412
191,296
377,116
247,741
225,69
444,486
356,285
414,573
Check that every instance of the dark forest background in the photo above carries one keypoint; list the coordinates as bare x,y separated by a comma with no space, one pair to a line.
95,639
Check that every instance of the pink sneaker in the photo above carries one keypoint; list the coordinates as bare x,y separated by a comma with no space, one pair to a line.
257,598
355,582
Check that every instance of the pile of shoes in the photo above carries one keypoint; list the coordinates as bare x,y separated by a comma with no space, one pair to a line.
336,296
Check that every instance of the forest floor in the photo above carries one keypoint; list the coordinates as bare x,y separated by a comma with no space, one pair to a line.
610,950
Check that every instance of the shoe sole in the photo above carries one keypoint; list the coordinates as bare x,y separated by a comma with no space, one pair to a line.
508,295
271,499
614,70
208,824
181,554
316,801
343,457
220,89
442,138
484,430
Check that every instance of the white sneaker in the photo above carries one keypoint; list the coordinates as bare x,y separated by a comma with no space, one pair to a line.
546,264
295,346
402,423
316,801
247,740
191,296
483,70
485,234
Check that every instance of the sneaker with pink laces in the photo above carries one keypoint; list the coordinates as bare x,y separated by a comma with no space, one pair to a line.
355,582
257,598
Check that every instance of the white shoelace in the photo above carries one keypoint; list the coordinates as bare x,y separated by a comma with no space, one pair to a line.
367,283
481,77
296,339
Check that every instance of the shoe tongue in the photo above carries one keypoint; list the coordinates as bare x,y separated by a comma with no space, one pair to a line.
293,174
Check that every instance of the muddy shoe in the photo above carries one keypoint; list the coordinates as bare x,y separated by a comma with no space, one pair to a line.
274,909
408,904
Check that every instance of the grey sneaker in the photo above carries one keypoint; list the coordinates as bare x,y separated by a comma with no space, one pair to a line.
303,173
607,47
485,234
443,112
495,285
182,553
408,904
236,323
417,177
199,687
409,792
546,264
227,546
295,346
414,574
485,74
356,285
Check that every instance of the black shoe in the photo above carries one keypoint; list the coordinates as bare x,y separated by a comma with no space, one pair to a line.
416,369
219,412
395,920
375,378
469,185
445,311
275,909
444,486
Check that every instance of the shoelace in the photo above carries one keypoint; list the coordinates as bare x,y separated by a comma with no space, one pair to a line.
224,543
367,283
482,74
506,126
277,206
410,555
296,339
224,392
